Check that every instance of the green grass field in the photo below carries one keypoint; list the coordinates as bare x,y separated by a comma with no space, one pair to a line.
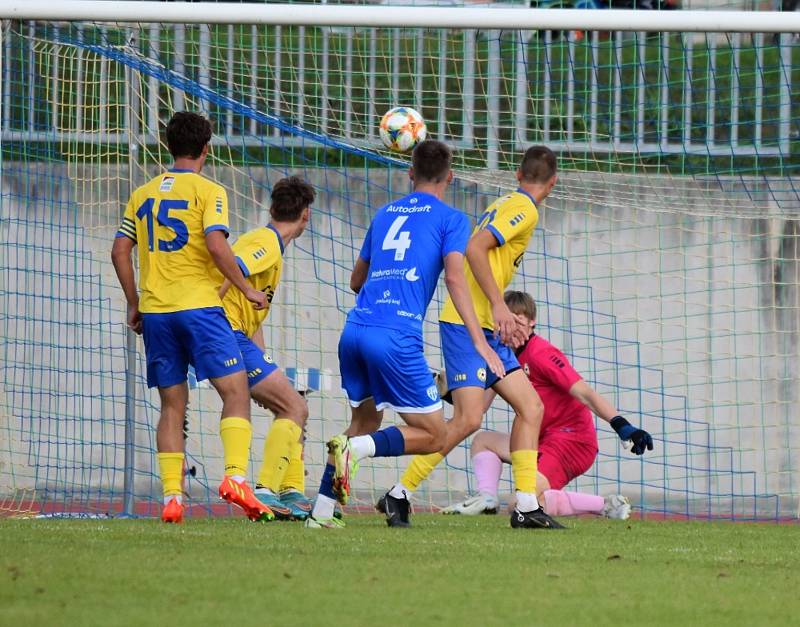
444,571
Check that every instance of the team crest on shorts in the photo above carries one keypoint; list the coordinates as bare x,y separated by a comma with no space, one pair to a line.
268,358
433,393
526,369
481,374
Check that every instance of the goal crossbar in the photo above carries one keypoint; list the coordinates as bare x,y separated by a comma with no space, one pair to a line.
392,17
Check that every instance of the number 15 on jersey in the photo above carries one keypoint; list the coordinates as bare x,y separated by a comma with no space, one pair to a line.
146,211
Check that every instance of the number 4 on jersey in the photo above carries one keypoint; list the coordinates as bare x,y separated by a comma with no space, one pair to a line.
397,240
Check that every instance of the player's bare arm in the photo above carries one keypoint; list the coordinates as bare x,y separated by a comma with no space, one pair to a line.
359,275
600,407
505,323
121,257
221,253
640,439
456,283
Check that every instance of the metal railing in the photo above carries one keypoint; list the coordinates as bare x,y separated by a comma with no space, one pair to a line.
488,91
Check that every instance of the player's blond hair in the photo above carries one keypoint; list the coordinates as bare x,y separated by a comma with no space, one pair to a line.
521,303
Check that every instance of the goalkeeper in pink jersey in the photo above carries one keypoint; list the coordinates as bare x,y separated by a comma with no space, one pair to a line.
568,440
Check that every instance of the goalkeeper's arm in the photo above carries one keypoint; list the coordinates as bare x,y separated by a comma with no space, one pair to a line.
640,438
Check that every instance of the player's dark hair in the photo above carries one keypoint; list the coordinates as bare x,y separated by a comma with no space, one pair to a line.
431,161
538,165
187,134
290,196
521,303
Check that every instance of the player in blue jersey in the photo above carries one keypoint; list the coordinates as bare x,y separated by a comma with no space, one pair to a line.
381,357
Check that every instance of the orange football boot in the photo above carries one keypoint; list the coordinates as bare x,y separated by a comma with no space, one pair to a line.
172,512
240,494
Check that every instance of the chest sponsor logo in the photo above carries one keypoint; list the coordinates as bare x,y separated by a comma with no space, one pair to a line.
389,273
412,275
387,299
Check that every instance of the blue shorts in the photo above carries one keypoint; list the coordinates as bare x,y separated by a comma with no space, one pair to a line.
259,365
200,337
464,366
387,365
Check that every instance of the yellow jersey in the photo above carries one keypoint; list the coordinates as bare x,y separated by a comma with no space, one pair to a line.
511,219
168,219
259,254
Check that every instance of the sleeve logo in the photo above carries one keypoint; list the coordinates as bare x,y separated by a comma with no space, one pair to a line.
517,219
557,361
219,204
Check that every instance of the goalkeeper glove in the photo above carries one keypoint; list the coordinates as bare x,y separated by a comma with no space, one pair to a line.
627,432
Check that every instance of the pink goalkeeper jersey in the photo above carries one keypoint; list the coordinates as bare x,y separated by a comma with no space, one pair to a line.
552,377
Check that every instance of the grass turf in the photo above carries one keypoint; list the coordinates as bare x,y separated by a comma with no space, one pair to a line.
444,571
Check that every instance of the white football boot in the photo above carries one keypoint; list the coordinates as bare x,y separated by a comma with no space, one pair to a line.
617,507
474,505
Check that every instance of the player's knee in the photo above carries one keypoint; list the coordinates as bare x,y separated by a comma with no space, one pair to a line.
532,413
438,434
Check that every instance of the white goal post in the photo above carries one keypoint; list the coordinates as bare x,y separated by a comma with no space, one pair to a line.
391,17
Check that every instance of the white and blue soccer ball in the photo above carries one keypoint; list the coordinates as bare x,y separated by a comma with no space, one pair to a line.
402,128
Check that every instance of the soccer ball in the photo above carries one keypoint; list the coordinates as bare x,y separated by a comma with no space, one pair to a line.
402,128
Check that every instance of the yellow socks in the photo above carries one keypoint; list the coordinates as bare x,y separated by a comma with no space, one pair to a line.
295,477
419,469
277,453
171,467
523,467
236,434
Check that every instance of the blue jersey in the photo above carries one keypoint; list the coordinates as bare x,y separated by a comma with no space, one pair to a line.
405,247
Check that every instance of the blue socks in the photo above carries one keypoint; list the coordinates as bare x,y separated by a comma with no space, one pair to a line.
326,485
389,442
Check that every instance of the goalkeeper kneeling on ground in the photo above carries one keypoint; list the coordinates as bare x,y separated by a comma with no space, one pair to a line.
567,440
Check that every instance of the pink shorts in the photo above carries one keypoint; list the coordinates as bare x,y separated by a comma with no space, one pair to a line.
562,457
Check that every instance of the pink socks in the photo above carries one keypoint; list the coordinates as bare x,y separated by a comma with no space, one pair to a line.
562,503
488,468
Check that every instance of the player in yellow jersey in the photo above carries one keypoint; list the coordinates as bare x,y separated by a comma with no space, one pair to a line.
179,221
259,253
494,253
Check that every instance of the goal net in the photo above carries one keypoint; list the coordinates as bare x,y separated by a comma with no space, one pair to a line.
665,264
